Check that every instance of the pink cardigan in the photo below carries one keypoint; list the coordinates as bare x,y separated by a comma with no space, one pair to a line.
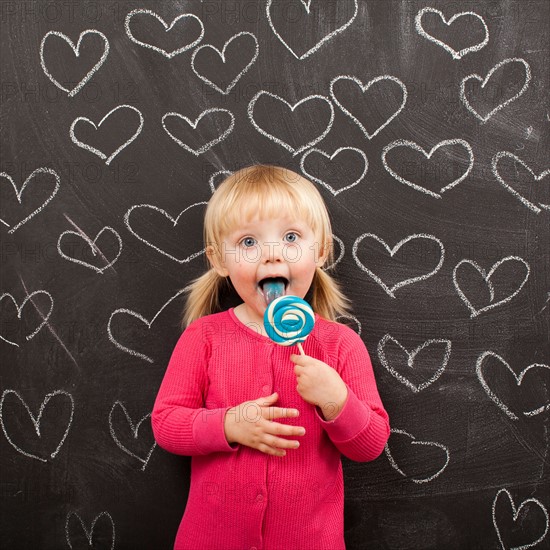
241,498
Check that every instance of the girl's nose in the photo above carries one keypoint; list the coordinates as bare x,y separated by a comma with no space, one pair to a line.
272,251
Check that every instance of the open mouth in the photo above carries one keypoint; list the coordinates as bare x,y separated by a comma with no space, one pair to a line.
277,287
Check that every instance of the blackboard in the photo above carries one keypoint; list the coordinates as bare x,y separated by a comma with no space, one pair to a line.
425,127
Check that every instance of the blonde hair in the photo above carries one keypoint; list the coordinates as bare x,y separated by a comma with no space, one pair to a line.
264,190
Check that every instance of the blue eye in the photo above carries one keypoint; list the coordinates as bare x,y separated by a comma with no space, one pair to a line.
248,242
293,237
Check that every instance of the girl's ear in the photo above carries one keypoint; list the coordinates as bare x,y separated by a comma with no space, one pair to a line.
215,261
323,254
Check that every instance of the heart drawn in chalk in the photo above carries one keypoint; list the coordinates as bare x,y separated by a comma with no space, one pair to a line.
111,330
424,364
514,181
435,254
492,87
43,436
121,119
217,68
418,461
126,434
380,99
50,37
214,119
100,536
527,390
310,118
145,215
338,167
35,181
515,525
91,250
461,164
303,34
507,287
474,19
148,20
35,316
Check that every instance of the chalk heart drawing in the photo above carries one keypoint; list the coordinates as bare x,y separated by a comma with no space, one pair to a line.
97,152
517,377
445,143
94,249
308,103
391,290
352,319
63,395
210,115
530,504
134,428
174,223
217,177
487,80
340,243
396,370
239,41
76,50
365,88
316,152
105,518
19,308
185,18
19,193
305,5
487,278
414,441
456,55
143,320
505,155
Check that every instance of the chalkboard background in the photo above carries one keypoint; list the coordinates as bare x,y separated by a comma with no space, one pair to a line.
427,134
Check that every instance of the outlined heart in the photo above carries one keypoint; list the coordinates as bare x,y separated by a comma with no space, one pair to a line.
494,164
485,81
174,223
396,369
20,309
134,432
456,55
92,247
169,55
19,192
365,88
71,536
338,173
414,146
306,6
391,290
515,516
97,152
292,108
340,243
235,41
123,311
194,124
518,379
487,278
414,441
35,421
76,51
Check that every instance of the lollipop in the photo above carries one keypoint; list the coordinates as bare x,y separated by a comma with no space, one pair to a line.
288,320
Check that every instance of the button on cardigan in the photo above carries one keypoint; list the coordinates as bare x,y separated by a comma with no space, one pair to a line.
240,497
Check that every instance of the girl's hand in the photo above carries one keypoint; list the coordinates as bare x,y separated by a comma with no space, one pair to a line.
319,384
251,424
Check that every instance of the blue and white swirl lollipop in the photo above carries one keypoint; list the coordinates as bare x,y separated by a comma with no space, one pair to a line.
288,320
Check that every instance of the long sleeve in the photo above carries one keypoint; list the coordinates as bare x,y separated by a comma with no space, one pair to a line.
361,429
181,424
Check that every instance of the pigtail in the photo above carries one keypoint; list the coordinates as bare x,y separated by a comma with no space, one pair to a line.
328,299
203,297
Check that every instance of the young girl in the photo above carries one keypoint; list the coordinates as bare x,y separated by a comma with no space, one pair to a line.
265,425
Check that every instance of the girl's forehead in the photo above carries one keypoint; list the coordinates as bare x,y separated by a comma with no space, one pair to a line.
258,221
